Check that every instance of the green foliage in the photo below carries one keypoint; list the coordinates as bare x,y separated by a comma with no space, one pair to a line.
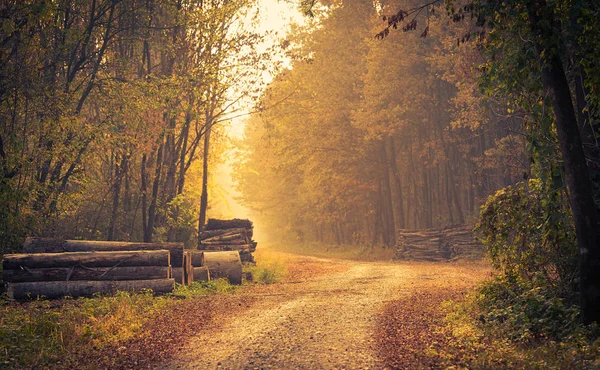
526,314
33,334
530,237
499,328
199,289
39,332
267,271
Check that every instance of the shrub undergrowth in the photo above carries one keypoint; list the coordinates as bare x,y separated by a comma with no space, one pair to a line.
499,328
37,333
527,316
270,268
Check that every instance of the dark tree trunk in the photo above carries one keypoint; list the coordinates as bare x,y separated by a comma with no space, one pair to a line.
204,195
116,195
398,185
577,175
387,201
152,209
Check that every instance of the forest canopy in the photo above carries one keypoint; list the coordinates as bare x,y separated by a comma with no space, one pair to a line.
110,110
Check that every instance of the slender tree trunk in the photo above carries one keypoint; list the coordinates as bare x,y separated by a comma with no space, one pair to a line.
144,194
154,199
204,195
116,196
398,185
386,197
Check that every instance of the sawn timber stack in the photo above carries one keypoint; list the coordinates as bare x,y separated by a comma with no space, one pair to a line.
75,274
229,235
439,244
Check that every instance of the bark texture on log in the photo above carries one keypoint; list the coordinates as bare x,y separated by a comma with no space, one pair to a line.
178,275
201,273
247,257
51,245
87,259
448,243
58,289
229,247
222,242
224,264
216,224
197,258
77,273
211,233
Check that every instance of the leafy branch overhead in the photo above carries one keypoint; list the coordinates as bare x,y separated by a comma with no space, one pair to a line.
469,10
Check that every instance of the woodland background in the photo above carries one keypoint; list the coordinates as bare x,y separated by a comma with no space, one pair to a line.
384,116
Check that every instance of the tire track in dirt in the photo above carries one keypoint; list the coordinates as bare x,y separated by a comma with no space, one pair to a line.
327,322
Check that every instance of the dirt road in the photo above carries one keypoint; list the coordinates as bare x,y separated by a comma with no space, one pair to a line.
323,322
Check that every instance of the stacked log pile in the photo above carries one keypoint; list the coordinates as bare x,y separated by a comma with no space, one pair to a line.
52,245
440,244
461,243
229,235
76,274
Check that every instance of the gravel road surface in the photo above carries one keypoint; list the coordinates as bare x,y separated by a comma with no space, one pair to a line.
327,319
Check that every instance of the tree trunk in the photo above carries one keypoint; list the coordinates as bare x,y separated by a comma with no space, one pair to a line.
580,187
204,195
152,209
400,224
116,194
388,204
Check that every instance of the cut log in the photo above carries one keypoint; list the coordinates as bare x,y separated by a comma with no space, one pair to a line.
87,259
247,257
197,258
178,275
57,289
201,273
227,238
85,273
211,233
222,242
224,265
229,247
216,224
50,245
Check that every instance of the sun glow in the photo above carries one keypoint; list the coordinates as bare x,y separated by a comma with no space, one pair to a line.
272,19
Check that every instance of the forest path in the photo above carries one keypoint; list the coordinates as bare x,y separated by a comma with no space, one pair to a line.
319,322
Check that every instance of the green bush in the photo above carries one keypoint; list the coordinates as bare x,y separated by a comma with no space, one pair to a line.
530,237
526,314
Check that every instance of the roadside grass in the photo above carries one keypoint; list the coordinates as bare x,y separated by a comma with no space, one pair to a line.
476,342
38,333
349,252
270,268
